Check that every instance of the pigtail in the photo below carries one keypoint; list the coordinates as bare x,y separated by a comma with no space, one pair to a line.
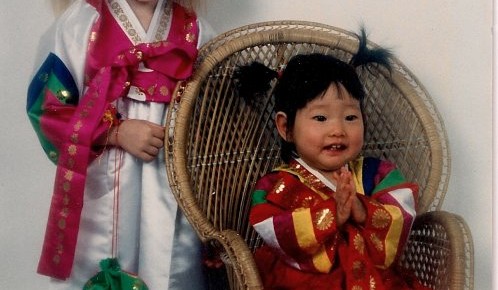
253,81
365,55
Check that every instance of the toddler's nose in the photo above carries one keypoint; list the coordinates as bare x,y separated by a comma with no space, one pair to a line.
337,129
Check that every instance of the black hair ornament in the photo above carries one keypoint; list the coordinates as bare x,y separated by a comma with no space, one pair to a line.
365,55
253,80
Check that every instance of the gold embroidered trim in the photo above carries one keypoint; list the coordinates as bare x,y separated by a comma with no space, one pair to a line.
377,242
359,243
308,201
323,219
164,91
93,36
380,218
307,178
279,186
69,175
120,16
359,270
164,22
67,180
372,283
190,37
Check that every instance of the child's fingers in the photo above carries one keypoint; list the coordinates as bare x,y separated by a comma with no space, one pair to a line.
349,201
336,176
157,142
157,130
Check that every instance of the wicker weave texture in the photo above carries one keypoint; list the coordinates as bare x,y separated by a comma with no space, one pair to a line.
219,146
440,251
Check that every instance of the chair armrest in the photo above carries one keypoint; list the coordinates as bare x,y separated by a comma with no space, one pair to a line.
440,251
238,258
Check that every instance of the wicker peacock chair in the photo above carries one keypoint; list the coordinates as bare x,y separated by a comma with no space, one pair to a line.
221,146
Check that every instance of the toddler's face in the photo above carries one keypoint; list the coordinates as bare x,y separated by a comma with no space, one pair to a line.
328,132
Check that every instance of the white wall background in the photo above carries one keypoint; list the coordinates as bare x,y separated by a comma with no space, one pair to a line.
447,45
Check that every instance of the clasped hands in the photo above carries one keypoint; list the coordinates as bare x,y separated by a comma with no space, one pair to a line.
349,205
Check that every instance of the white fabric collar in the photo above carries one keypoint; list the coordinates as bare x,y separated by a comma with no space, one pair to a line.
318,175
128,21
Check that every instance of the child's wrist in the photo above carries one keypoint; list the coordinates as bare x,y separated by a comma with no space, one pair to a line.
360,212
116,132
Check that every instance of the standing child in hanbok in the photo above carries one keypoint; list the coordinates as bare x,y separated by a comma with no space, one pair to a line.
97,103
330,218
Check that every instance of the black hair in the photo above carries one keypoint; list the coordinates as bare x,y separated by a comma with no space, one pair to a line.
306,77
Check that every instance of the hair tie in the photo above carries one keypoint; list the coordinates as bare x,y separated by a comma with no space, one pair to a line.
279,74
280,71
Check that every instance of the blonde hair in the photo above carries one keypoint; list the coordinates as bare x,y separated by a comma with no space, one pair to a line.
189,4
58,6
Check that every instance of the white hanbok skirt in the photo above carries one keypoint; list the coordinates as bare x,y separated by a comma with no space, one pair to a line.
154,239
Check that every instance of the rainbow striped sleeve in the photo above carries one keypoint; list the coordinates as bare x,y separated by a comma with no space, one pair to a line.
390,212
52,90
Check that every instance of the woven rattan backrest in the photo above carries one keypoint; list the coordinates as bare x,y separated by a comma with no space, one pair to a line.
221,146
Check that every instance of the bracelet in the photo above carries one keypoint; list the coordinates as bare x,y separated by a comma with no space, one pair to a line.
117,131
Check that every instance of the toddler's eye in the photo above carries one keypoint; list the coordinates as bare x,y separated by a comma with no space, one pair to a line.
320,118
351,118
